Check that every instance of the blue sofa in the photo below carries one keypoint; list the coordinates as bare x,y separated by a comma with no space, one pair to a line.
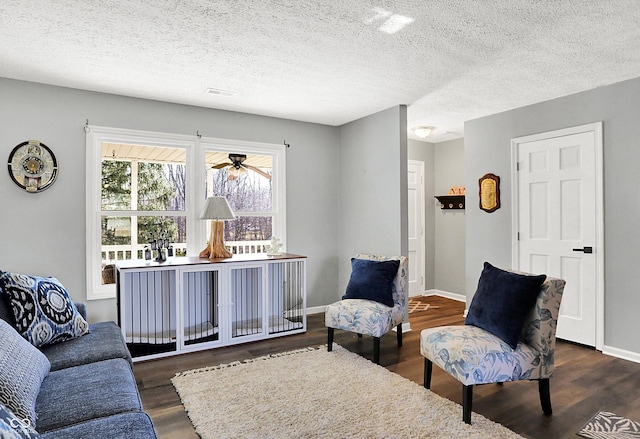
90,390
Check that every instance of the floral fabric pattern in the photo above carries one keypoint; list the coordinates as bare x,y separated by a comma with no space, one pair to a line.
368,317
474,356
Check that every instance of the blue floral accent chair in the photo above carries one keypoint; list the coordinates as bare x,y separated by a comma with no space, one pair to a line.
474,356
368,317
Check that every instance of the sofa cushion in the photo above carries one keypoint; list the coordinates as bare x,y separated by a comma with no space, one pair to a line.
502,302
103,342
22,369
77,394
43,310
122,426
372,280
12,427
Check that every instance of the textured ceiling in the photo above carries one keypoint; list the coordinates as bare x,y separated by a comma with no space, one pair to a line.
328,62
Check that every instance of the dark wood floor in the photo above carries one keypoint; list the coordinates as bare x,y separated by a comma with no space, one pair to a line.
584,381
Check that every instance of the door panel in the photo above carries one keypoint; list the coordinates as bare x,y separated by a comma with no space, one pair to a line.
572,272
556,214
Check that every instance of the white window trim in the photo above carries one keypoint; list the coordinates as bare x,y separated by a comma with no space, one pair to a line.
195,147
278,181
96,135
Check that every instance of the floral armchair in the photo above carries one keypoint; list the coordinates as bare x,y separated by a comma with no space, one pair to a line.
475,356
370,317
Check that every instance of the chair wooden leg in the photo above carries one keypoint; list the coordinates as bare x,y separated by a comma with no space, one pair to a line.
376,350
428,368
467,402
545,395
329,339
399,331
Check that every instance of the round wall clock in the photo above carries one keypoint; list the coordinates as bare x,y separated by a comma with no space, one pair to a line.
32,166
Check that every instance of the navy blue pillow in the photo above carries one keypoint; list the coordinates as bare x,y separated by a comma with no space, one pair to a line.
503,301
372,280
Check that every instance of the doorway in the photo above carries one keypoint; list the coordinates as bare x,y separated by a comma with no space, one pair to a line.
416,213
558,222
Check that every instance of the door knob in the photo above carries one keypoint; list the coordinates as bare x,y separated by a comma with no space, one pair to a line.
584,249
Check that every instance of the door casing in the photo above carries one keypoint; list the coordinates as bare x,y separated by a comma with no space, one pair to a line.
599,254
417,268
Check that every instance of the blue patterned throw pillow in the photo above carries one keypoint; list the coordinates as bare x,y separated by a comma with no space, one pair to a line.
43,310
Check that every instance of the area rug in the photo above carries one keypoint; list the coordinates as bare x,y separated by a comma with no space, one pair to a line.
607,425
312,393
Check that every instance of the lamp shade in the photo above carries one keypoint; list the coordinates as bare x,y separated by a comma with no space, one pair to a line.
217,208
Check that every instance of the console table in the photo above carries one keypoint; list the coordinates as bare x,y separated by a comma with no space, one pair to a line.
185,304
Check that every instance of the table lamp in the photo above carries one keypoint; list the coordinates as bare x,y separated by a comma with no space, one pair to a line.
217,210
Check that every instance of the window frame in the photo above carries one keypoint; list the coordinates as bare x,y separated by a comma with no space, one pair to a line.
278,179
195,147
97,135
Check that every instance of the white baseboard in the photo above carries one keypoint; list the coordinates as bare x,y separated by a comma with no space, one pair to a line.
447,294
316,309
406,327
621,353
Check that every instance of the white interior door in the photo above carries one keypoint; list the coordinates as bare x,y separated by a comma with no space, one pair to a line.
558,226
415,173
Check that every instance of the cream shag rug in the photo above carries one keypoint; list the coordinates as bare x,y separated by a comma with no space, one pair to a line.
312,393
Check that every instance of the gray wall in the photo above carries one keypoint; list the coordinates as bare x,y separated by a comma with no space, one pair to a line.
373,187
487,149
44,233
424,152
450,223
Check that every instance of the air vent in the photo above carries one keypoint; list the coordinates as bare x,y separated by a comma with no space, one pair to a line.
220,92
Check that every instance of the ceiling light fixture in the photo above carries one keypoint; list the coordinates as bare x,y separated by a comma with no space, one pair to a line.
220,92
423,132
390,23
395,23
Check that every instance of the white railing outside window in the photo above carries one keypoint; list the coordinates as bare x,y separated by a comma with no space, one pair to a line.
114,253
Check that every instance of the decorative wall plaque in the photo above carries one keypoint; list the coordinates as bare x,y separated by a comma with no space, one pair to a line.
489,192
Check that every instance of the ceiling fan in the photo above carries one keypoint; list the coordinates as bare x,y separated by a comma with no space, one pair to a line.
237,164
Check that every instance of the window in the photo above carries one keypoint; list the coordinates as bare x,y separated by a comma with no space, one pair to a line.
245,181
248,175
145,186
142,199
